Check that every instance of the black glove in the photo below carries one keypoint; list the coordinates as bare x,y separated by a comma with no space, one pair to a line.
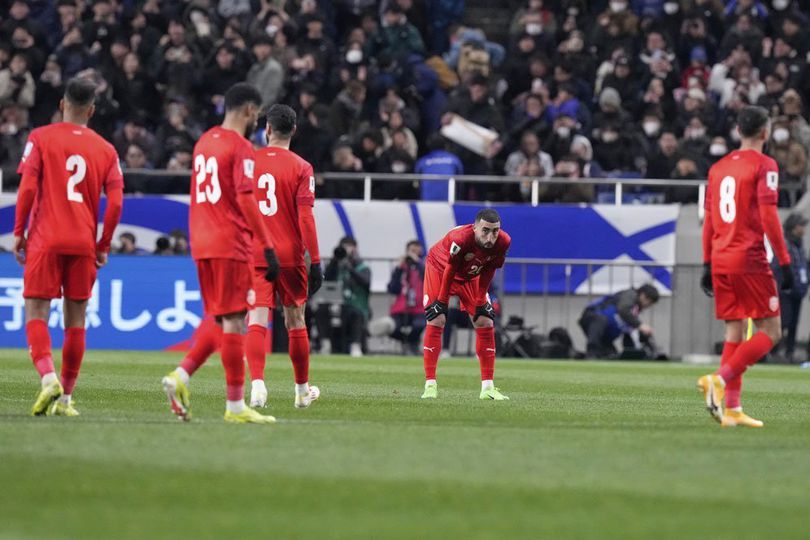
706,280
435,309
272,265
485,311
787,277
315,278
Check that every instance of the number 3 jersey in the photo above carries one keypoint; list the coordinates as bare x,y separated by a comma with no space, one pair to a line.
460,249
739,184
72,164
284,181
223,167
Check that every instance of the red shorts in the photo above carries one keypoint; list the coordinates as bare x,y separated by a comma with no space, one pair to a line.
226,286
291,286
745,296
466,291
49,275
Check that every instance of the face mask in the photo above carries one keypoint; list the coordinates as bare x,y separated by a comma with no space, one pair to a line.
398,167
534,29
695,133
717,149
651,128
271,30
780,135
564,131
780,5
609,136
671,8
617,7
354,56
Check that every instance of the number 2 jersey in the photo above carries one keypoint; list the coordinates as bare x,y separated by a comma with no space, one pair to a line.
223,168
284,181
741,186
460,249
72,164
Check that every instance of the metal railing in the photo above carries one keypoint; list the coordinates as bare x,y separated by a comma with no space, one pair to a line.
368,179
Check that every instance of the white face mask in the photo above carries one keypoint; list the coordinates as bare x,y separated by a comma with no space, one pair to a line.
617,7
651,127
609,136
354,56
780,5
780,135
564,131
271,30
671,8
717,149
695,133
534,29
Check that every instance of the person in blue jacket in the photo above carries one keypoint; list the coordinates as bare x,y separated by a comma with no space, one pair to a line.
439,161
791,300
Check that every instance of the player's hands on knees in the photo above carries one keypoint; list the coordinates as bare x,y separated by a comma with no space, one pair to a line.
272,265
485,311
19,249
787,277
101,258
435,309
706,280
315,278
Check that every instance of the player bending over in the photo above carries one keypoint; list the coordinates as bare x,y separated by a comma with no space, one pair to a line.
740,207
463,264
285,191
64,168
222,215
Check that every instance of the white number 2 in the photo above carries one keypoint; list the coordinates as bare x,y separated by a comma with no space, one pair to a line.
78,166
269,207
728,205
203,168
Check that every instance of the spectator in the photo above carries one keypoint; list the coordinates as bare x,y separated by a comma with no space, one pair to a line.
266,74
133,131
134,89
440,160
163,246
664,158
406,285
533,19
17,84
72,54
717,149
346,113
368,149
788,153
176,63
558,144
613,150
128,245
610,317
313,138
582,149
48,93
13,135
397,37
623,82
568,167
135,158
354,277
791,301
180,244
23,41
343,160
516,163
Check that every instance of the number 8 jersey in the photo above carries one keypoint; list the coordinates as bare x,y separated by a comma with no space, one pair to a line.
72,164
739,185
223,168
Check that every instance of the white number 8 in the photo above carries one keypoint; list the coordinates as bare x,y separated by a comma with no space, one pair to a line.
268,182
78,166
728,206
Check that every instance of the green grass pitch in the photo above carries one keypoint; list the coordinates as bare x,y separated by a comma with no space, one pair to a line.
583,450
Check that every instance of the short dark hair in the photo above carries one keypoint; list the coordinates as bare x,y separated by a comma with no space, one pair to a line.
348,241
490,215
282,119
751,119
650,292
413,243
240,95
128,235
80,92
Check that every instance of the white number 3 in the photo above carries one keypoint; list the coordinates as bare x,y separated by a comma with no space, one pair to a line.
728,206
78,166
269,207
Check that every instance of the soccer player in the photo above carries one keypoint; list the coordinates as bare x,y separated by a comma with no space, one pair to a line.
463,264
222,215
741,206
64,168
285,192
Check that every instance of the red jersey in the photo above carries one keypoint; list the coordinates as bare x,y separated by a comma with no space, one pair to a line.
284,181
72,164
223,168
739,184
460,249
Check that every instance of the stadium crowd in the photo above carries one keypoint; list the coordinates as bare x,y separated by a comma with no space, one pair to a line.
625,88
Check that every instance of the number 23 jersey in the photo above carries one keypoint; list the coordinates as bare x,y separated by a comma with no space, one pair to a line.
739,184
459,248
71,164
223,168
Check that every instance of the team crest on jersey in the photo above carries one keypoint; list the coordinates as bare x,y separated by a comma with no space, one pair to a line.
251,297
454,249
248,166
469,257
425,300
773,303
27,152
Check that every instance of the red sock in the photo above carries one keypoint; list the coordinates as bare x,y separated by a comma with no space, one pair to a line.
233,353
299,354
39,345
485,349
206,341
72,355
254,349
432,349
747,354
734,385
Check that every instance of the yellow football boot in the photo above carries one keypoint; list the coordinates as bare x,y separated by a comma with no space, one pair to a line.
62,409
248,416
739,418
714,390
47,395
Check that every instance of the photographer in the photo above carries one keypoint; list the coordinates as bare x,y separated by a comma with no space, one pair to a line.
354,276
16,83
407,284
